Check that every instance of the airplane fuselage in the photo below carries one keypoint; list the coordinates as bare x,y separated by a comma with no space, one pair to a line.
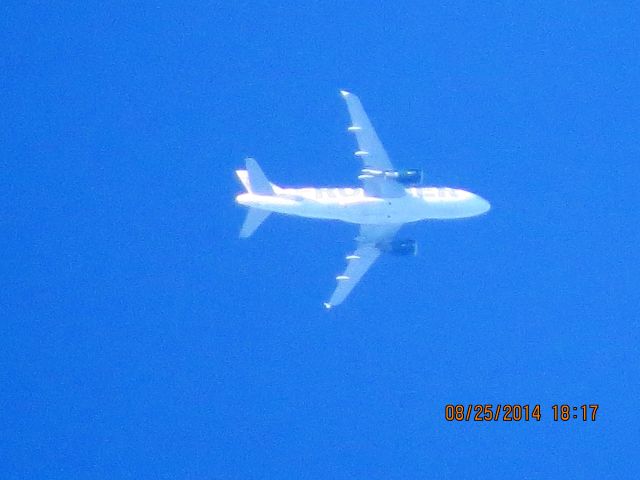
354,206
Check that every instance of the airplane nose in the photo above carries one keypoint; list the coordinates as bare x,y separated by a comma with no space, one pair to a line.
483,205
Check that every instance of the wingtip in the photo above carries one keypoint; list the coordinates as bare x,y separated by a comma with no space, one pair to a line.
344,93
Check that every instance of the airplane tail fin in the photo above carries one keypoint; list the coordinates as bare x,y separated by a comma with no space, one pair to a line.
254,219
254,179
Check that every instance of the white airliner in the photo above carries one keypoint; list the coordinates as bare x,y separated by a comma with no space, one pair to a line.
387,199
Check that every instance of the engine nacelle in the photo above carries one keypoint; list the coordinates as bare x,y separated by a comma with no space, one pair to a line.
408,177
399,247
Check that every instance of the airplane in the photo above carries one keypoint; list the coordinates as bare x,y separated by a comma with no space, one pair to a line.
387,199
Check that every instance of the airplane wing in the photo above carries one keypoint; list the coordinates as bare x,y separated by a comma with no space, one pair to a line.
360,260
370,151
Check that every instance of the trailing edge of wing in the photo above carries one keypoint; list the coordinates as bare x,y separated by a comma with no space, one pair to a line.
370,151
370,148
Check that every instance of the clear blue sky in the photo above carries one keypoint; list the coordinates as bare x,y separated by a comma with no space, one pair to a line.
140,338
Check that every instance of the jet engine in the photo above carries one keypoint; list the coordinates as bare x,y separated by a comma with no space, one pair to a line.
399,247
408,177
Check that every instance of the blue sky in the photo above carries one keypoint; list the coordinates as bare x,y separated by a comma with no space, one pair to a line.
140,338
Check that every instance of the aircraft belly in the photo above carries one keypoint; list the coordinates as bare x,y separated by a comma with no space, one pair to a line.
376,212
385,211
450,210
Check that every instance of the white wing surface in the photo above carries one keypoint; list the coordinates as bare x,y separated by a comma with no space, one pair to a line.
360,260
370,151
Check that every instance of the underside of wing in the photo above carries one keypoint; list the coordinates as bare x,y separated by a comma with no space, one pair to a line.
375,234
359,263
371,151
369,240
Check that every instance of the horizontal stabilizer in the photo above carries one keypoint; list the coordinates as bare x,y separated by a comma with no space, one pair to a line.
255,217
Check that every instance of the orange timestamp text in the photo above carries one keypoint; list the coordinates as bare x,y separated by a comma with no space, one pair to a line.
490,412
